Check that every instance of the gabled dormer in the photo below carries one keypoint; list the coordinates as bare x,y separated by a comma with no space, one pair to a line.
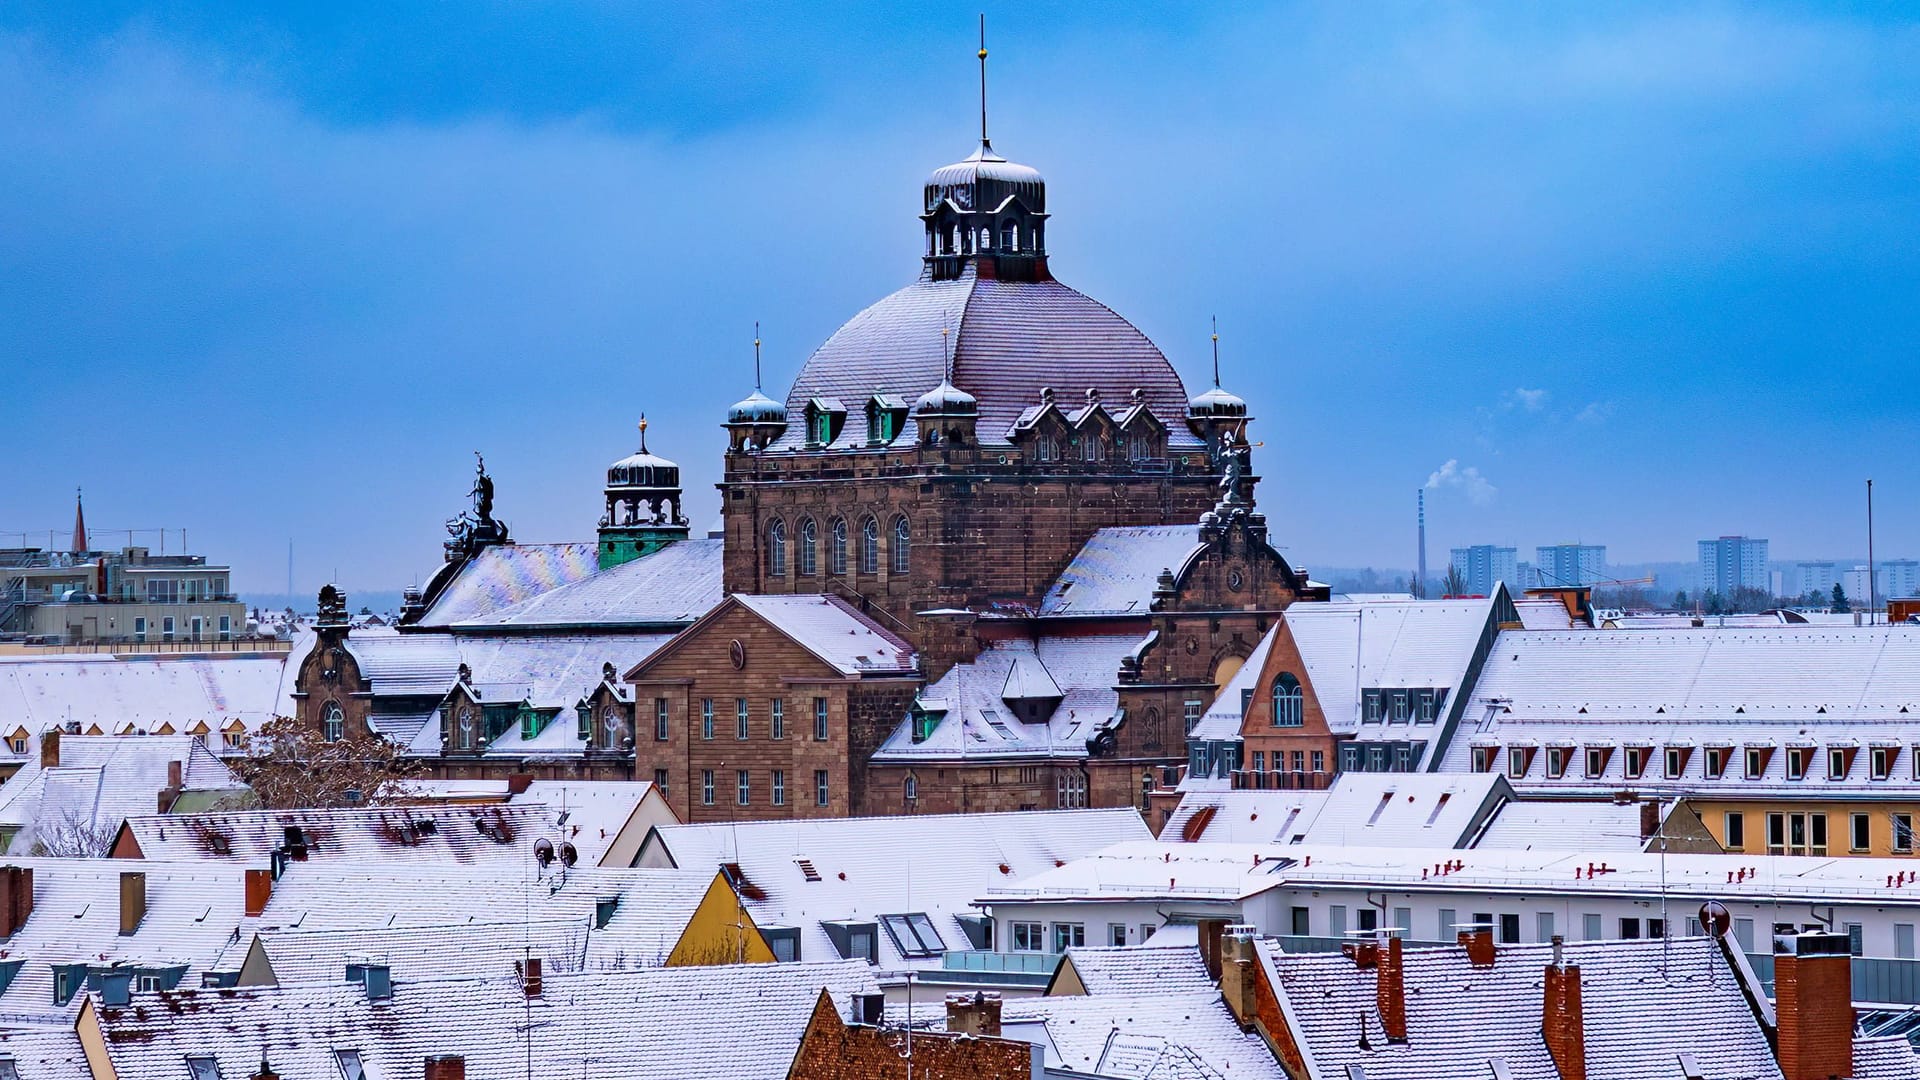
1043,431
825,417
886,415
1142,438
1093,431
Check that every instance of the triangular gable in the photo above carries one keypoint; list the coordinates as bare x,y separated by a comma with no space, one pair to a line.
1066,981
257,968
720,932
200,728
165,728
125,844
698,630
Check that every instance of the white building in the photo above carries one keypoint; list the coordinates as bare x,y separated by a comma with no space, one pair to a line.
1900,578
1815,577
1483,566
1733,562
1569,564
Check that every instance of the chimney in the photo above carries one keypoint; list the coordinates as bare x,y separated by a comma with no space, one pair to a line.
1649,820
446,1067
16,898
50,748
1210,944
530,976
1478,940
264,1072
173,775
977,1013
133,900
1813,1005
1561,1025
259,891
1390,990
1238,979
518,783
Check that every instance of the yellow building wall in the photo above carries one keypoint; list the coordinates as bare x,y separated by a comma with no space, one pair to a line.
1839,815
720,932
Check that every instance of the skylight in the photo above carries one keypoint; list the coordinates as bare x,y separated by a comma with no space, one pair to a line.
203,1068
913,934
349,1062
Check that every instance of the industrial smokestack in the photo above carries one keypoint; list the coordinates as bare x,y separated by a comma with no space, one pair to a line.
1420,578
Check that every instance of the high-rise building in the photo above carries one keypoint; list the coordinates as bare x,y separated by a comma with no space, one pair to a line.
1731,563
1899,578
1483,566
1854,581
1814,577
1570,564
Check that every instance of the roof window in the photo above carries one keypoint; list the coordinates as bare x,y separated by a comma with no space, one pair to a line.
202,1068
913,934
350,1067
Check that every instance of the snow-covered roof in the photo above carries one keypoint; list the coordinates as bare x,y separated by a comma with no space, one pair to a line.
1243,815
433,833
102,780
1643,1003
145,690
977,717
1224,715
670,587
1541,613
503,575
678,1023
836,632
1373,809
1116,570
1180,1035
1140,969
803,872
1601,825
1350,648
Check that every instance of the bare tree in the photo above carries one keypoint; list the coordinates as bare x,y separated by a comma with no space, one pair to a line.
292,767
71,834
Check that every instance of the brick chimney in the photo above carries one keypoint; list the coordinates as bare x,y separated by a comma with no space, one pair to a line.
1211,931
977,1013
1478,941
50,748
446,1067
16,898
1561,1025
1390,989
259,891
518,783
1238,977
1813,1005
264,1072
133,900
530,976
1649,820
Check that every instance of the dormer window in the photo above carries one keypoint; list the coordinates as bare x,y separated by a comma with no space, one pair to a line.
885,415
825,417
1092,447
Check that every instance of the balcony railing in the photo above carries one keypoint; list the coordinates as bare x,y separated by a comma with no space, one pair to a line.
988,966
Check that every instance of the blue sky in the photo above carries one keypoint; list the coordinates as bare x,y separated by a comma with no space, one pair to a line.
1642,274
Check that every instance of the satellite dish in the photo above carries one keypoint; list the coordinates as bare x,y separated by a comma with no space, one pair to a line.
543,852
568,853
1715,918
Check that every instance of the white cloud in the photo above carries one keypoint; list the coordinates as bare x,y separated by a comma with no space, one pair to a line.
1595,412
1479,490
1530,400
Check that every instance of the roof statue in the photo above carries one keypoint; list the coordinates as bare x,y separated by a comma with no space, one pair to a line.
468,532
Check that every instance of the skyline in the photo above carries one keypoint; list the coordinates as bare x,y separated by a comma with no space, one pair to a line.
1535,259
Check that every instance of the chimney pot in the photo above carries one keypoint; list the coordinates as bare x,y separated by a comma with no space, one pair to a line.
1478,941
518,783
16,898
1562,1025
1390,988
1813,1005
446,1067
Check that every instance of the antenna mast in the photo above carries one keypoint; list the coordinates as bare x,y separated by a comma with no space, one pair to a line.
983,83
756,354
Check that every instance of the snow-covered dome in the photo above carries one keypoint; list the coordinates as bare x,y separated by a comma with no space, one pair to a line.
946,400
1216,402
757,408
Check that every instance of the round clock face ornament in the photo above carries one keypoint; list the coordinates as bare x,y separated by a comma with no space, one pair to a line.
1192,646
1234,580
737,652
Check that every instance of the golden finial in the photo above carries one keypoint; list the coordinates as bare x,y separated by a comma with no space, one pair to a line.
983,81
643,433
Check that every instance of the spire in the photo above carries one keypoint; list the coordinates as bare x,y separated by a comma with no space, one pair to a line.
946,355
985,144
756,354
1216,352
79,524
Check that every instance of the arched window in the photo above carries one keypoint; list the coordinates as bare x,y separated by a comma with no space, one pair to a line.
809,547
902,545
1009,236
610,728
1091,447
870,547
333,722
837,547
1286,701
777,549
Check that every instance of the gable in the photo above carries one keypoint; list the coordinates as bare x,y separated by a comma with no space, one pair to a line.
721,931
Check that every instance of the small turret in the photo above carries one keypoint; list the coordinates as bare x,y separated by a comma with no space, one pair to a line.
643,506
1217,415
946,415
756,420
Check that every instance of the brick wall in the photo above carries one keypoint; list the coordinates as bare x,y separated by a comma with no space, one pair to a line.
831,1049
1813,1004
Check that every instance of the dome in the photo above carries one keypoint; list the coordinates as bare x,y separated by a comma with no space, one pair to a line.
1217,402
983,164
758,408
1009,340
643,470
946,400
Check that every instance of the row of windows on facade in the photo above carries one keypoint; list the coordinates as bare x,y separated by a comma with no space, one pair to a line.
1805,832
170,631
743,786
807,548
1714,761
1339,920
1225,758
